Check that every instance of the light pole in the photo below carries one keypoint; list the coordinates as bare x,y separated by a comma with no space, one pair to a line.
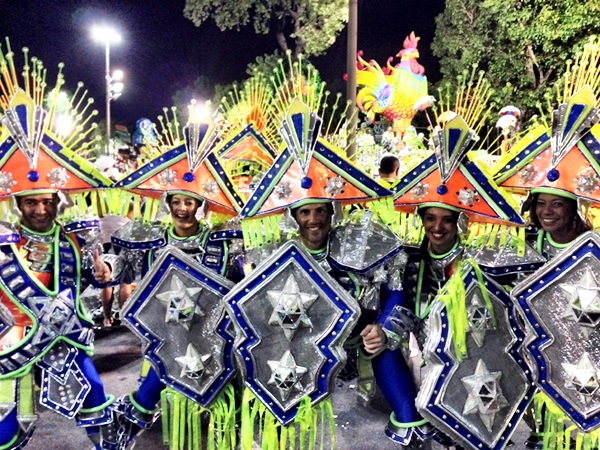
107,36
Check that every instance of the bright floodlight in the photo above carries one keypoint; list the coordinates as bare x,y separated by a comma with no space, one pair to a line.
117,75
63,124
199,113
104,33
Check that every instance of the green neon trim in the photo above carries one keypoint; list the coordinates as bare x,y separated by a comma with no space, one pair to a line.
71,155
103,406
261,200
357,290
314,252
434,256
495,207
555,244
406,424
335,168
228,187
517,150
310,201
554,191
9,446
424,175
137,405
439,205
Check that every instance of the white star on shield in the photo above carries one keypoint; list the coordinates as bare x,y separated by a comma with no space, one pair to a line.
193,363
286,375
582,377
290,307
484,394
480,319
584,302
181,303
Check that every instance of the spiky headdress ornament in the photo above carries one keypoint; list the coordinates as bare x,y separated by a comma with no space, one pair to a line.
44,138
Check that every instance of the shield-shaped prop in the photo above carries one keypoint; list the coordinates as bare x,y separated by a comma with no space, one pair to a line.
292,319
561,303
477,399
178,311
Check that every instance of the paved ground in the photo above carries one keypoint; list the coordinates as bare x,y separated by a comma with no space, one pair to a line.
118,359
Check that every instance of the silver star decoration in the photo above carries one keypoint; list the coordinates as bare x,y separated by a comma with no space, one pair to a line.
420,190
467,197
484,394
286,375
584,302
181,303
290,307
528,174
283,190
335,186
210,188
193,364
167,177
58,177
56,316
7,182
587,182
582,377
480,319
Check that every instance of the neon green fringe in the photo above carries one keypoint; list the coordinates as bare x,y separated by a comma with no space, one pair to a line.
310,423
181,421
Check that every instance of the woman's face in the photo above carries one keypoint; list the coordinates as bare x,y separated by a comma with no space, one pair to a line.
183,211
557,216
441,229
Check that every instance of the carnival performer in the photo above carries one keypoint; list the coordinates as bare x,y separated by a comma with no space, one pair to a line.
443,195
310,189
389,168
187,189
557,173
44,266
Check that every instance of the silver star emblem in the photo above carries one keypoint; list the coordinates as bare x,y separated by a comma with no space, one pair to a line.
528,174
484,394
181,303
420,190
193,364
587,182
56,315
467,197
210,188
286,375
167,177
290,307
584,302
480,319
582,377
58,177
335,186
283,190
7,182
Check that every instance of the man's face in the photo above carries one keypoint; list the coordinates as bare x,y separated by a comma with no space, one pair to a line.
314,221
39,211
441,229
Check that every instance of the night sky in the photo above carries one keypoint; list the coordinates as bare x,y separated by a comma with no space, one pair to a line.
162,51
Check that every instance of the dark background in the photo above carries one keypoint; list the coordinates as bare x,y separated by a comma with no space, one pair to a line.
161,51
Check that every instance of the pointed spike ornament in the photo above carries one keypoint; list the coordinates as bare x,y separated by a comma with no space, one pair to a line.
25,121
451,145
570,121
201,137
300,130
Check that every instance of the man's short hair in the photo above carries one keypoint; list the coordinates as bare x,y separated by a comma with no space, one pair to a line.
389,164
294,209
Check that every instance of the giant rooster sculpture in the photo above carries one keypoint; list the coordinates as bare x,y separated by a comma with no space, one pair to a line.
392,91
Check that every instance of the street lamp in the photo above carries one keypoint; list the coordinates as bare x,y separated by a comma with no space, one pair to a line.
107,36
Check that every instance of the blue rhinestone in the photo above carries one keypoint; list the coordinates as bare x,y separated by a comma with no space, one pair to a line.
306,183
553,175
189,177
33,176
442,190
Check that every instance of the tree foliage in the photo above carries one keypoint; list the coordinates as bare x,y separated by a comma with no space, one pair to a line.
523,45
304,26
